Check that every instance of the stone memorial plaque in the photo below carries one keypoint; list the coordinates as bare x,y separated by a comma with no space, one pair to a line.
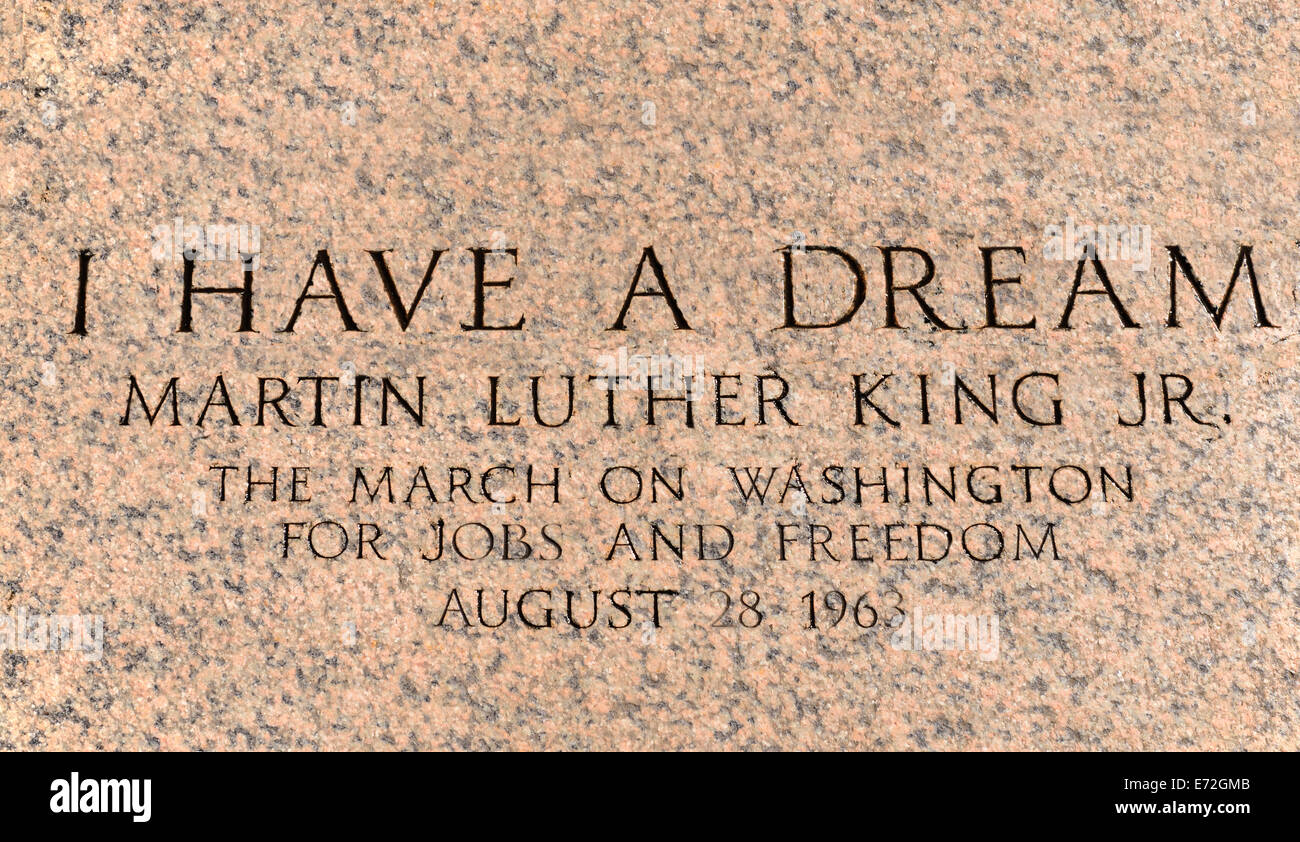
517,375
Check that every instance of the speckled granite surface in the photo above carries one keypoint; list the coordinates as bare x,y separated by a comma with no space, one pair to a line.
578,135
